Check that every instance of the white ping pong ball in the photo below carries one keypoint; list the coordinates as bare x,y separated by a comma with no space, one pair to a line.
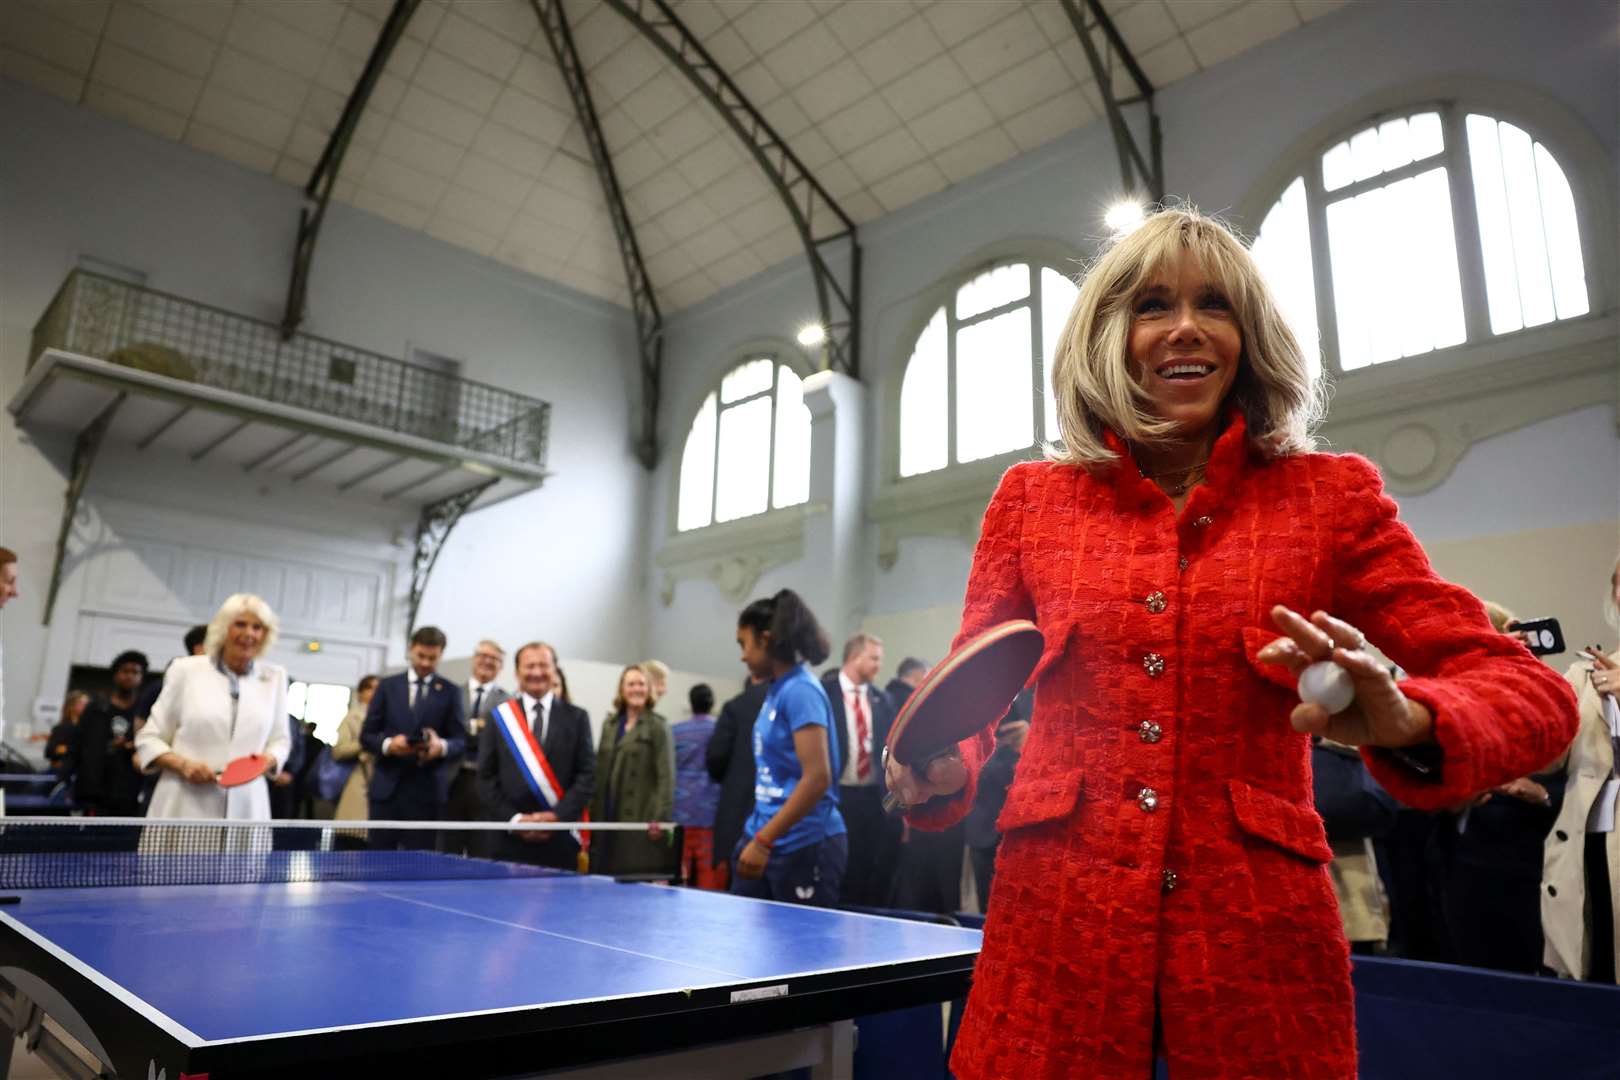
1328,685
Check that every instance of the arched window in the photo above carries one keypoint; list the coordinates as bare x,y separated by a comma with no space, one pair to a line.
1423,231
978,382
749,447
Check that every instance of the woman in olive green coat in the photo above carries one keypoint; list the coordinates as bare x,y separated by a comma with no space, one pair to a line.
635,781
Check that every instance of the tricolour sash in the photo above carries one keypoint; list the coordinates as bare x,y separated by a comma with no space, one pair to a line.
531,760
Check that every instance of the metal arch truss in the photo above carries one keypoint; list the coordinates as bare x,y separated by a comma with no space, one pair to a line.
432,531
838,300
319,188
1141,174
85,448
643,301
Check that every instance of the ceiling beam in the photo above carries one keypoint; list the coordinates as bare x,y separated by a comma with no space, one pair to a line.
1141,173
319,189
643,300
838,297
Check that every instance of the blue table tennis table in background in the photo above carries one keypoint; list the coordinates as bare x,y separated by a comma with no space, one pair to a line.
467,969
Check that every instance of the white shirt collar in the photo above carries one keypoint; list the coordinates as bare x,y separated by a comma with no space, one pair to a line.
529,702
848,685
473,686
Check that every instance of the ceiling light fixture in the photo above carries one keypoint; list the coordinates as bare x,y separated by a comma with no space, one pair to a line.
812,334
1124,216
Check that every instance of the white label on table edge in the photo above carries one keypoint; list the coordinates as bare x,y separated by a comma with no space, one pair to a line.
759,993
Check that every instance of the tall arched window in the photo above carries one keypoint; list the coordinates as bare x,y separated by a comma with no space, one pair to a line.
749,447
1422,231
979,380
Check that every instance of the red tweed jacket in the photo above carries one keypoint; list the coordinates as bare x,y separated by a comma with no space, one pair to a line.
1161,852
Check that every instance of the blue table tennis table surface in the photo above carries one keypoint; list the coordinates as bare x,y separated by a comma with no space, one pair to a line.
222,963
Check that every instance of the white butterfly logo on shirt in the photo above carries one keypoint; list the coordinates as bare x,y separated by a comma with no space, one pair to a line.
804,892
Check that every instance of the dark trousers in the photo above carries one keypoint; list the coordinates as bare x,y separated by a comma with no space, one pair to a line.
1599,910
874,843
463,805
813,874
558,851
984,873
408,803
930,873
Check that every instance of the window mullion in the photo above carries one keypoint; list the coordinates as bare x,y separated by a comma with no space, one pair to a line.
714,465
1465,226
995,312
770,459
1327,320
950,387
1037,343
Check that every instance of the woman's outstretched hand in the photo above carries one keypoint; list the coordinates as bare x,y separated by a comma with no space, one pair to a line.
1380,715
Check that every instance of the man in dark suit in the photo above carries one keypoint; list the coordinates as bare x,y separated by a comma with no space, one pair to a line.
906,678
563,733
480,698
416,728
861,720
730,761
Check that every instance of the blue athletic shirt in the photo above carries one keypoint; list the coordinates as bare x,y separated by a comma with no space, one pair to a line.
794,701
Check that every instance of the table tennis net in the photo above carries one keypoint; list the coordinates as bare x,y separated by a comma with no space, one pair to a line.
54,853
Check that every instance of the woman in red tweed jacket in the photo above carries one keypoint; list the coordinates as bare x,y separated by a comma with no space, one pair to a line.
1163,873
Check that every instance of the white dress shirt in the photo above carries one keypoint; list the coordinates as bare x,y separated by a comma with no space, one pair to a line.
847,776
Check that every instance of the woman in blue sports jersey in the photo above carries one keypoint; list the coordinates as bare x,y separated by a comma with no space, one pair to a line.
793,846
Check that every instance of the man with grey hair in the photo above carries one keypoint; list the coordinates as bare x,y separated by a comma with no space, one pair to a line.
861,719
481,698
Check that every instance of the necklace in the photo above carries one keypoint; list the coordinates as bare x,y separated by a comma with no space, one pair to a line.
1189,476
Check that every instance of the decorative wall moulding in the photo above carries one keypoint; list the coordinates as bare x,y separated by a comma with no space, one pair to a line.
734,554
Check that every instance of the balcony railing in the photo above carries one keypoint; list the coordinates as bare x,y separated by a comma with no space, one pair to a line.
168,335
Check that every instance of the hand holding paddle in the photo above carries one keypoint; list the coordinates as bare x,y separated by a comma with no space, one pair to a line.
969,690
193,771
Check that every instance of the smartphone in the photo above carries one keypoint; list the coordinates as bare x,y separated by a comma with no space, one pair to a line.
1544,637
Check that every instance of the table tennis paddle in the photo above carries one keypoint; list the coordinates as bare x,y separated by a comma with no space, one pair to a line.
969,690
244,770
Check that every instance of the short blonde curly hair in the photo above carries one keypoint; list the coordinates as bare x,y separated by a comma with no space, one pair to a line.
1094,387
220,625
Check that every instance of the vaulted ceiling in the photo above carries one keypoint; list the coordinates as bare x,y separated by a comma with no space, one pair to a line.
470,135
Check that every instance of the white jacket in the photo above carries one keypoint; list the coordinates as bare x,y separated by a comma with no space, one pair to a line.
195,718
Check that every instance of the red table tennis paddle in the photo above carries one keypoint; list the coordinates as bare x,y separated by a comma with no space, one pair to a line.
244,770
969,690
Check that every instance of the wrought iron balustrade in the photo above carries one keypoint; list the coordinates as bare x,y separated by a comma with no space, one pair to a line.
156,332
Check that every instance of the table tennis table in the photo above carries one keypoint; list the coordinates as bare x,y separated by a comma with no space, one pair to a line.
512,971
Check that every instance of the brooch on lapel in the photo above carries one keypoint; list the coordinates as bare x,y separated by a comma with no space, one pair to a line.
437,685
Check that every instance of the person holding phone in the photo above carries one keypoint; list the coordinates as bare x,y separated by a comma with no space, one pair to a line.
416,730
1582,853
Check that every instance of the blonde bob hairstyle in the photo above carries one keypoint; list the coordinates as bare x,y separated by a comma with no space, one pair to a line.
219,627
1092,381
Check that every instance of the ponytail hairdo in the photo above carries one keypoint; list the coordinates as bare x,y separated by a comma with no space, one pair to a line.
795,634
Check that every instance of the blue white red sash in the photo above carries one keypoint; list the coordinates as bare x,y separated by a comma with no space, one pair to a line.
531,760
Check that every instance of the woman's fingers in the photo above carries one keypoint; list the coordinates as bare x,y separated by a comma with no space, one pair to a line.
1285,651
1343,634
1313,640
1310,718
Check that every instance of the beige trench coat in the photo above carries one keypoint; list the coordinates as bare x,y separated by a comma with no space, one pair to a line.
351,804
1563,875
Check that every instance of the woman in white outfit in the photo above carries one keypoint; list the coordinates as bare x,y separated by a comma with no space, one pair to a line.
214,708
1580,879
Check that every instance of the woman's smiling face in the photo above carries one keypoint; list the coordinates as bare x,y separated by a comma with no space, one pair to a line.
1185,346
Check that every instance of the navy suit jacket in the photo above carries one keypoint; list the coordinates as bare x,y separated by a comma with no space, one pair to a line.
881,719
390,714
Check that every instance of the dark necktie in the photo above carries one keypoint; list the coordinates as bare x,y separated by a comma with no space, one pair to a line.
539,724
478,701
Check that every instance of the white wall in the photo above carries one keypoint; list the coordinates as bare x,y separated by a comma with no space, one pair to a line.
1223,131
560,563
